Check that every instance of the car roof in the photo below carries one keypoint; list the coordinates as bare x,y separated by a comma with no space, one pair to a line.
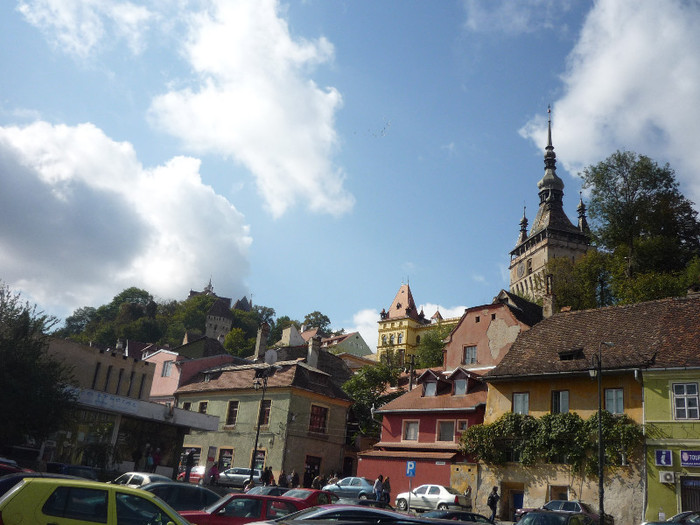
85,483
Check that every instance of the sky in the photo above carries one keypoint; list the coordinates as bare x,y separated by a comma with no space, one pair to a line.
314,155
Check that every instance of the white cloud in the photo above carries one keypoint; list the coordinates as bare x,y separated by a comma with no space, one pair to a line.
78,27
366,322
506,16
254,102
83,219
447,313
632,82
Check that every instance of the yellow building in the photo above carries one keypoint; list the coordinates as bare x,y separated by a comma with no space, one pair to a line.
402,326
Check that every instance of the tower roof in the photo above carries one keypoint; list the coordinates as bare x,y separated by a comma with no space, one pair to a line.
403,305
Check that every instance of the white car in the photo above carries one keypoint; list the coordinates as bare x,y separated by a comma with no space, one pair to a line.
136,479
432,497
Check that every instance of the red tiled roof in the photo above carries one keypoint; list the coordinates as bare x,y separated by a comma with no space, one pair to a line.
444,400
662,333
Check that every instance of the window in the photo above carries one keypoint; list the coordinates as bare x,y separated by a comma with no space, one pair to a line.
613,400
477,319
560,401
430,389
469,355
232,413
462,425
107,378
203,407
446,431
383,340
460,387
76,503
187,405
119,381
131,383
94,377
264,419
167,369
685,400
521,403
410,430
400,338
391,339
141,385
417,339
319,419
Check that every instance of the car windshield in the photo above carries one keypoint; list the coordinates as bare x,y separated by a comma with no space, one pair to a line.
542,518
298,493
218,503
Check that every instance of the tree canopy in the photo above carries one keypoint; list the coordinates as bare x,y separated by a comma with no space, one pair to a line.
32,384
647,234
429,352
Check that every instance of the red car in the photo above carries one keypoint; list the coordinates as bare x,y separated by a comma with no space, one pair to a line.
196,475
312,497
236,509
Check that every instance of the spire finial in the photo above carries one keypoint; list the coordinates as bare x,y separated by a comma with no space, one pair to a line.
549,126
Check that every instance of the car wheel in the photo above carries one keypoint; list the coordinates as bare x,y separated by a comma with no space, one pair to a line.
402,504
362,496
442,506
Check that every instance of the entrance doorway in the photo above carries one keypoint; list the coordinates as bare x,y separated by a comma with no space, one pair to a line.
690,493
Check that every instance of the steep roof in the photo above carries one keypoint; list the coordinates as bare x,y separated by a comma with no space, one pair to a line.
220,308
289,374
403,306
524,311
662,333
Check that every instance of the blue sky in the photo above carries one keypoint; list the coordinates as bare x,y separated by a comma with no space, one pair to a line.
317,154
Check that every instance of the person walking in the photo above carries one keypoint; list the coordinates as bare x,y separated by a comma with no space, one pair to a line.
378,483
214,474
492,502
282,480
386,490
189,463
294,482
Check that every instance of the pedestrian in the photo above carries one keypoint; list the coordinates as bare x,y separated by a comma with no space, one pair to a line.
333,480
189,463
283,481
378,487
270,476
156,459
214,474
308,478
492,502
265,477
386,490
316,483
294,483
468,495
248,485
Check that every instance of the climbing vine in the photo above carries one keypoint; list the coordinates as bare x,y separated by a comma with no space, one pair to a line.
554,438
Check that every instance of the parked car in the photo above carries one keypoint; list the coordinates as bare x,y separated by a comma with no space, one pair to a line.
566,506
269,490
10,480
236,509
56,500
352,487
353,514
691,516
182,496
312,496
238,476
456,515
81,471
10,466
431,497
364,502
136,479
556,517
196,475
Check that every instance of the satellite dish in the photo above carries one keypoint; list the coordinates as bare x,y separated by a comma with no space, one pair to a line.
271,357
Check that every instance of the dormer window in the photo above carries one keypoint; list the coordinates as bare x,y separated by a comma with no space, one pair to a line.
430,389
460,387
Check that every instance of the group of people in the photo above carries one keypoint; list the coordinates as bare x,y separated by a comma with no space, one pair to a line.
382,489
151,458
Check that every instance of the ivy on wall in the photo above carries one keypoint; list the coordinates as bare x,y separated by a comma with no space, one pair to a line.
554,438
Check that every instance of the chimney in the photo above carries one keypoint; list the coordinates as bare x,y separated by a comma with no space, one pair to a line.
314,350
549,300
261,342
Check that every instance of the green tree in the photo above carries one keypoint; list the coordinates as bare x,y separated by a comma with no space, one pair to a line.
637,208
78,322
369,389
582,284
236,343
318,320
30,380
280,324
429,352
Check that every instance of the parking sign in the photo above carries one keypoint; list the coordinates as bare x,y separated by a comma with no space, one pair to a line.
410,469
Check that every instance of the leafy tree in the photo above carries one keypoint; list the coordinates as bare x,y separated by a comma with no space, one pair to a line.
265,314
30,380
318,320
368,388
429,352
280,324
76,323
637,208
236,343
584,283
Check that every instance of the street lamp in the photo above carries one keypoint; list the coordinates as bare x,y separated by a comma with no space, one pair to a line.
598,370
261,375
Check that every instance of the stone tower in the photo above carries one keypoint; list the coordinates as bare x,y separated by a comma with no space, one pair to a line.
552,233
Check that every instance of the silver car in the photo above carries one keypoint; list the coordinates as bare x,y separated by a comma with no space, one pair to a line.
432,497
238,476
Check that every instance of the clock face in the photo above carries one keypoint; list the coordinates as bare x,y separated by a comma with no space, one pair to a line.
521,269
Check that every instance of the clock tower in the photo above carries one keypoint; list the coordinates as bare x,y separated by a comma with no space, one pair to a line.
552,233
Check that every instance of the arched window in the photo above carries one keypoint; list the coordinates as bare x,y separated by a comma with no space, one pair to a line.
417,339
384,340
400,338
391,339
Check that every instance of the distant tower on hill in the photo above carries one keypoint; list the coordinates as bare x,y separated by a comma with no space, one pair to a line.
552,233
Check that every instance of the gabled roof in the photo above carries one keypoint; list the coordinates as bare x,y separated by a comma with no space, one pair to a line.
524,311
288,374
662,333
414,401
404,306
